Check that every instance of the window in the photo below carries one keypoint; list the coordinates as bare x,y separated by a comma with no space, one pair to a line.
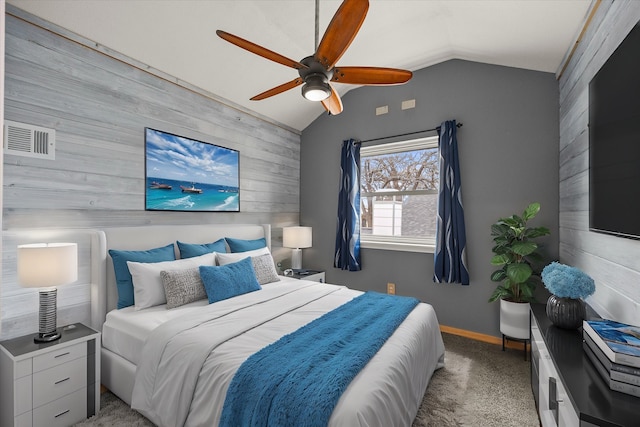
399,195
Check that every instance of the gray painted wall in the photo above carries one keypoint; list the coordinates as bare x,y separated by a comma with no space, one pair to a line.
99,103
508,156
613,262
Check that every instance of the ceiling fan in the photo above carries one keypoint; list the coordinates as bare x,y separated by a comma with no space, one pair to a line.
316,72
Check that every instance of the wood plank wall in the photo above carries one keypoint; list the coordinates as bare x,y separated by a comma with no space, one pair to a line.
613,262
99,103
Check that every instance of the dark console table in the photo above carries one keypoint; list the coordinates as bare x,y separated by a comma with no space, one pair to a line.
592,400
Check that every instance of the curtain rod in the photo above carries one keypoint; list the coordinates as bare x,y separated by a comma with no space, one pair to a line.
458,125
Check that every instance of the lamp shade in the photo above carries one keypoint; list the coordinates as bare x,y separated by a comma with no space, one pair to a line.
43,265
296,237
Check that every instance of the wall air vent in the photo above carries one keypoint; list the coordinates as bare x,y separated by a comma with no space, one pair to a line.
25,140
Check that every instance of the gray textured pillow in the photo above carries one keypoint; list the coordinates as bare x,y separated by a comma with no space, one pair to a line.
264,268
182,286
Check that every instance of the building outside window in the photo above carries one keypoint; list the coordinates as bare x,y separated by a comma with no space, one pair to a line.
399,195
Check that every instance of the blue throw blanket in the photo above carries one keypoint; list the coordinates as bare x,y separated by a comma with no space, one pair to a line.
298,380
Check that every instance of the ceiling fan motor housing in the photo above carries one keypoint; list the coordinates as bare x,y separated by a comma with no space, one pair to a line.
316,79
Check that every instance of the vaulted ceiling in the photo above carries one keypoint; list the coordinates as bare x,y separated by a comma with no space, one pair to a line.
178,37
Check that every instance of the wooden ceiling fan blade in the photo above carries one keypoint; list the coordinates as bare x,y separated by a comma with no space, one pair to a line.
341,31
259,50
278,89
370,75
333,104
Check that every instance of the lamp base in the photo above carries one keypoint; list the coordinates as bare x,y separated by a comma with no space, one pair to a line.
47,337
47,318
296,259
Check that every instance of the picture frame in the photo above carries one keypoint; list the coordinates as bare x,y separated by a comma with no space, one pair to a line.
185,174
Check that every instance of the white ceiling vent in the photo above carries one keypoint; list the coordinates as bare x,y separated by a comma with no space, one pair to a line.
21,139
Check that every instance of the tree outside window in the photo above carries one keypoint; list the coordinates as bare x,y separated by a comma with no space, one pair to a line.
399,192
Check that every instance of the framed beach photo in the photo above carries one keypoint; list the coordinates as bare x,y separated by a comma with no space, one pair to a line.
183,174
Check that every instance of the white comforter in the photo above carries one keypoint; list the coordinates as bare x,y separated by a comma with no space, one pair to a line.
187,364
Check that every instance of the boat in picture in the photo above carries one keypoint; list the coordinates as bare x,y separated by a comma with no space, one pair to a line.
191,189
160,186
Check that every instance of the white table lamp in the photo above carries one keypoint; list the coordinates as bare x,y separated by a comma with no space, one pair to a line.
46,266
296,238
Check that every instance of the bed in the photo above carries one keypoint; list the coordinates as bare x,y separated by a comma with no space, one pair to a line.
386,392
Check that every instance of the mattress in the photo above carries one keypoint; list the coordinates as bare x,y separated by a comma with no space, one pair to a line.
125,331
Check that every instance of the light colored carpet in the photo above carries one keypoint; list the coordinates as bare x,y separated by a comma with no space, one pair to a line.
114,412
480,386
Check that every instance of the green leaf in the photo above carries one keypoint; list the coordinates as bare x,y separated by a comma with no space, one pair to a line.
500,293
518,232
499,229
537,232
526,294
503,239
526,290
500,259
513,221
500,249
531,211
524,248
498,275
519,273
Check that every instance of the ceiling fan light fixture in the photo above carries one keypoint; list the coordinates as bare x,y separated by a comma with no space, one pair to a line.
316,87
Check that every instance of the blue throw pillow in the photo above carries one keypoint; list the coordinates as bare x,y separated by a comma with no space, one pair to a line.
190,250
240,245
230,280
123,276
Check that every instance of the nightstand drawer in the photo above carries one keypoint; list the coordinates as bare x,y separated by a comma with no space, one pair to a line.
63,412
53,383
59,356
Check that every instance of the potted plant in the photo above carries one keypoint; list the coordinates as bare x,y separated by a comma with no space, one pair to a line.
568,286
516,253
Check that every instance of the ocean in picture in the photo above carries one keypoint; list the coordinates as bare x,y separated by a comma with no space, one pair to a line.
168,194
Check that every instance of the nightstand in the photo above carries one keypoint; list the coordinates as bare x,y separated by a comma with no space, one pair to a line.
313,275
50,384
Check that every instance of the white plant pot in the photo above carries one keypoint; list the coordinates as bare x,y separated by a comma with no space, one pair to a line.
514,319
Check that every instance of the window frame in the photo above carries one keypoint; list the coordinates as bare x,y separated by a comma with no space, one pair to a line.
398,243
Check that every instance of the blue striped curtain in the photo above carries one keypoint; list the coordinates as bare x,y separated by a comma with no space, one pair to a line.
450,259
347,255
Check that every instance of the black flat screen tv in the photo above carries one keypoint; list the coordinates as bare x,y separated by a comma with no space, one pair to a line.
614,142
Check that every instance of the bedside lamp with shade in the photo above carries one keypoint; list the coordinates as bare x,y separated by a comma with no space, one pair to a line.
47,266
296,238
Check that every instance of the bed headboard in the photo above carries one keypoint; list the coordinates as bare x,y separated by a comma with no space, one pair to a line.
104,294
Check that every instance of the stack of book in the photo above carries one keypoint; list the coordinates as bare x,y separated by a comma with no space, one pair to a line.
614,349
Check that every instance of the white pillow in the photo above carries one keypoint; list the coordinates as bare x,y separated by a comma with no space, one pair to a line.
148,289
228,258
